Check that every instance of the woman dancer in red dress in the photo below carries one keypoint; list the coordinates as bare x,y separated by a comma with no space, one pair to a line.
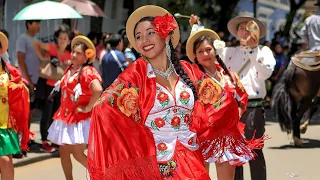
80,89
223,143
141,126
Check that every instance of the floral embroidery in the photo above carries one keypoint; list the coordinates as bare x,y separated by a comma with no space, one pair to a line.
162,148
166,170
125,97
4,100
175,122
175,110
210,92
184,97
128,101
163,98
239,84
157,123
13,85
187,118
102,98
190,142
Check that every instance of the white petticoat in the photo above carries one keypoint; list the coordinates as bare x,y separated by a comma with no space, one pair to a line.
231,158
62,133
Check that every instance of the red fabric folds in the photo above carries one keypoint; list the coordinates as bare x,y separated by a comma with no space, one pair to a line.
66,111
218,127
120,146
19,106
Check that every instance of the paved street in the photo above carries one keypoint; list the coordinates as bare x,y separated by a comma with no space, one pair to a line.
283,161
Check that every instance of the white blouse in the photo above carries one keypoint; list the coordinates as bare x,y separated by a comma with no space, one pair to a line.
169,120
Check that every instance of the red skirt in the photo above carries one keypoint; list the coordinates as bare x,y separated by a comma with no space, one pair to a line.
184,165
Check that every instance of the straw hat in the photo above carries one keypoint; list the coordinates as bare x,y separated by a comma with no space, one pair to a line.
234,23
152,11
194,36
91,51
4,43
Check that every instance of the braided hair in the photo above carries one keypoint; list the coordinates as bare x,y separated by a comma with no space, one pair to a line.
175,61
4,67
3,64
179,69
197,43
84,48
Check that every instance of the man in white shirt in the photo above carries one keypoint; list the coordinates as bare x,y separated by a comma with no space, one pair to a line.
254,65
310,32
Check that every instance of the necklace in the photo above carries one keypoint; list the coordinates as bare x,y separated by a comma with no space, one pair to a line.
212,75
166,74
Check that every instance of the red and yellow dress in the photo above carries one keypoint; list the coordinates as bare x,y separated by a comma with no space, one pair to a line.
223,141
139,130
14,111
70,127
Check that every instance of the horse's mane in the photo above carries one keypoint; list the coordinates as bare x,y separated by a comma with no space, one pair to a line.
282,101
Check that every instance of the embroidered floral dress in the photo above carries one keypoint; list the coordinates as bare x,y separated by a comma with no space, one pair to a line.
223,140
139,130
169,121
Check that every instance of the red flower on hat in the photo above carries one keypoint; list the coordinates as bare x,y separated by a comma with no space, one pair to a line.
164,25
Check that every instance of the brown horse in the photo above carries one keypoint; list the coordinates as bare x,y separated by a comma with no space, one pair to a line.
293,94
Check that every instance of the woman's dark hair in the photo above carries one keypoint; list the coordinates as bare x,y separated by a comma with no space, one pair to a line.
4,67
5,32
175,61
84,48
63,29
197,43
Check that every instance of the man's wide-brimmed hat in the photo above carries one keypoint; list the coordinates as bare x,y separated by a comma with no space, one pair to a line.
234,23
148,11
4,43
194,36
91,55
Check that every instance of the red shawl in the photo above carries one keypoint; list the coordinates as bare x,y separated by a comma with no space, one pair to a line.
120,146
19,105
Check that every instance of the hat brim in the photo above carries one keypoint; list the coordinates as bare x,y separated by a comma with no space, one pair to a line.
148,11
4,43
87,42
194,36
234,23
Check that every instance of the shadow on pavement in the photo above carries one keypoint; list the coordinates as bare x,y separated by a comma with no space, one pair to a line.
307,144
271,117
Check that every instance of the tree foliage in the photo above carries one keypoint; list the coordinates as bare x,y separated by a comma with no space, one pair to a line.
295,5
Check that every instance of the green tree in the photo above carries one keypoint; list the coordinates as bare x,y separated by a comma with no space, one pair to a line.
214,14
218,12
